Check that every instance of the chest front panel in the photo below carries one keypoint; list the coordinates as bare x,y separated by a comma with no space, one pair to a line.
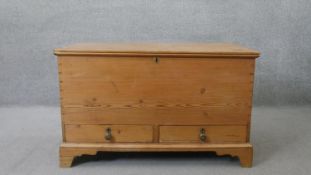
156,90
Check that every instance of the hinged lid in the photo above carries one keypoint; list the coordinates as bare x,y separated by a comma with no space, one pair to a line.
159,49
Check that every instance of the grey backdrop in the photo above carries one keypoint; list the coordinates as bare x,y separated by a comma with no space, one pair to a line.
31,29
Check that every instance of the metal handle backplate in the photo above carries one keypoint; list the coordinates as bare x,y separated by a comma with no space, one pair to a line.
202,135
108,135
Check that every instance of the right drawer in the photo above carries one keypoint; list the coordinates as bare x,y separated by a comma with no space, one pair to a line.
206,134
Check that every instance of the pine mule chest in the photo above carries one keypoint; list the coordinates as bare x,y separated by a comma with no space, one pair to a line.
156,97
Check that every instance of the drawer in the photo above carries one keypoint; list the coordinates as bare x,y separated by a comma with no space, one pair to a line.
109,133
213,134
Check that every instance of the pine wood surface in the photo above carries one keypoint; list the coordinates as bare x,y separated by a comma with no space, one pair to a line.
156,97
104,90
68,151
161,49
215,134
120,133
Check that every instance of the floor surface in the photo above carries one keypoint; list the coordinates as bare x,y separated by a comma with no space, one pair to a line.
29,140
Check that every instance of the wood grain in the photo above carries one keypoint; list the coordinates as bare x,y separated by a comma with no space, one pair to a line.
209,90
156,97
120,133
163,116
215,134
70,150
163,49
100,80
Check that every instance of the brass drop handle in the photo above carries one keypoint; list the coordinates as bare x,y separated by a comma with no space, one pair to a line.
108,135
202,135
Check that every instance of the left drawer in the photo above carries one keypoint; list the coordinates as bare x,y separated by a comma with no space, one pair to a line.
109,133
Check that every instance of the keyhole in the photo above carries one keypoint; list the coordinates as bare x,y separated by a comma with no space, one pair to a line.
156,60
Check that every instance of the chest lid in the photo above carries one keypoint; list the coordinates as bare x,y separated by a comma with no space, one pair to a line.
159,49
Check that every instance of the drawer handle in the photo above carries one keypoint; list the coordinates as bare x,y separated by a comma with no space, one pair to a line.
202,135
108,135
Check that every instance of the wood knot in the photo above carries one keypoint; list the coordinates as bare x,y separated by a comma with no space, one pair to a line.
202,91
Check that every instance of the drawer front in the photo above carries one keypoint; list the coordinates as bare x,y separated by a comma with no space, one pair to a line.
214,134
108,133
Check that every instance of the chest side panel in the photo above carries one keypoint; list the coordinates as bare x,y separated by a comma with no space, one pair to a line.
121,90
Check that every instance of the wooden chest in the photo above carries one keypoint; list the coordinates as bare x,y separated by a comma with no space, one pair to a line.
156,97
